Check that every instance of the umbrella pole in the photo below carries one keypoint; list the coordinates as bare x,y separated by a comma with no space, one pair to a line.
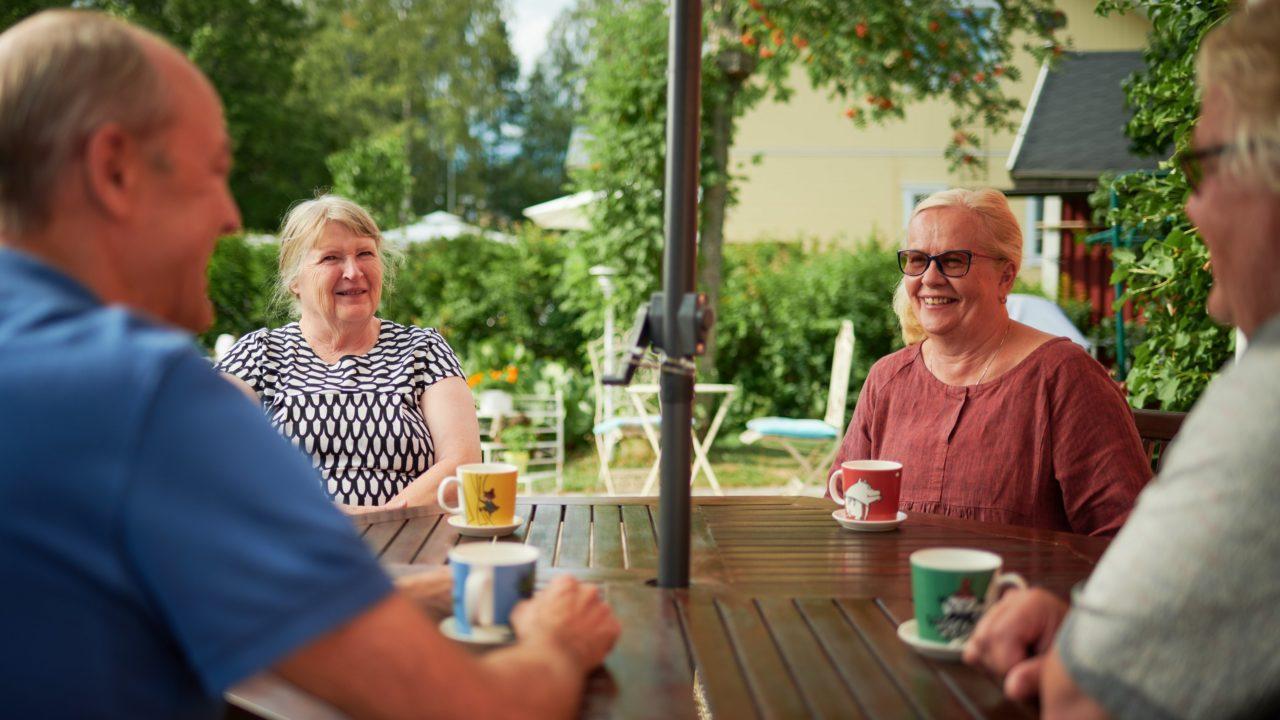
684,96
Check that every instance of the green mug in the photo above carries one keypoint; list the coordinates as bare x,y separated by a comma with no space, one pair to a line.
952,587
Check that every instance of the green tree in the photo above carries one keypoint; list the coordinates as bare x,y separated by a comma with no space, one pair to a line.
1166,273
893,53
373,172
531,168
439,73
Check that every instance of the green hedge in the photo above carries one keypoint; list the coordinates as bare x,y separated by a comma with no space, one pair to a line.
502,302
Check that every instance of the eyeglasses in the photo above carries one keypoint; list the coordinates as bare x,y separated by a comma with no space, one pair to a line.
952,263
1191,162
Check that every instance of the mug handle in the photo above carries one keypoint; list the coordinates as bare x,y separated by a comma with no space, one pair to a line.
440,495
1002,581
478,596
833,488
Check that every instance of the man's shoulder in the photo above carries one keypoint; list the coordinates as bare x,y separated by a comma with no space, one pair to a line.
95,345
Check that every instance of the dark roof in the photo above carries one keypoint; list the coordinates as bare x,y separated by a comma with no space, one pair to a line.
1075,126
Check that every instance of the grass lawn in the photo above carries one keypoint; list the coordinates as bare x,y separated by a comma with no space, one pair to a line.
749,468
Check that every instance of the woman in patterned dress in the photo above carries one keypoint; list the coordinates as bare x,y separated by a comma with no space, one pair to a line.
383,409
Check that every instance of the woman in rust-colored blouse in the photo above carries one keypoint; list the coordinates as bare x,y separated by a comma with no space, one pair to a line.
991,419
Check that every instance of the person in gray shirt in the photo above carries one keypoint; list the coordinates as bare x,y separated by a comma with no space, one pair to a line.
1181,615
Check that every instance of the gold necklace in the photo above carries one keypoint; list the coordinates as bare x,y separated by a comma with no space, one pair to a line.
994,354
991,359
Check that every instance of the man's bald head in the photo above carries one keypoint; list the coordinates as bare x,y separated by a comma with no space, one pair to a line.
63,74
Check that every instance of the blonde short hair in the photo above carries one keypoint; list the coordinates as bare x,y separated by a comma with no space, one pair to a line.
1002,240
302,228
63,75
1241,59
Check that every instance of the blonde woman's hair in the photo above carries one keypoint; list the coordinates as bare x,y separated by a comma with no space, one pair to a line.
304,224
1241,58
1002,239
63,75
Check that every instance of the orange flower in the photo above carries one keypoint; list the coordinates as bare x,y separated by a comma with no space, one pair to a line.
512,374
495,374
474,379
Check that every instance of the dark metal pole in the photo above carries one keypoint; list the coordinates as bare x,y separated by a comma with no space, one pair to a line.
684,99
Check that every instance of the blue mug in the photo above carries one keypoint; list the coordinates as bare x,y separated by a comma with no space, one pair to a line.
488,580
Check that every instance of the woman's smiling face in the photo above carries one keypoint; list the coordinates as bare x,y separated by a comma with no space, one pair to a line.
340,280
946,305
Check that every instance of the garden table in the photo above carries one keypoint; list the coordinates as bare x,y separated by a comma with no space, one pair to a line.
722,396
788,615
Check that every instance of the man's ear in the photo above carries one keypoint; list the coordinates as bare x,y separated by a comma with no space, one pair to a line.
113,161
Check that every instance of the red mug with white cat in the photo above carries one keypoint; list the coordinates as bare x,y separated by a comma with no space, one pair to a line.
867,488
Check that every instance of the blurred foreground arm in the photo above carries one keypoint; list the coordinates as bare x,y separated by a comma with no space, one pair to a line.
391,662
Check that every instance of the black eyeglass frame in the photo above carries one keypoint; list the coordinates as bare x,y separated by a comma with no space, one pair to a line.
1190,162
968,256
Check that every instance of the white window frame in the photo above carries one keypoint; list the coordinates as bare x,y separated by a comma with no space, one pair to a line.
913,190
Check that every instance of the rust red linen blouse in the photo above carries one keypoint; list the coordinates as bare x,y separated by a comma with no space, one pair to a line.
1050,444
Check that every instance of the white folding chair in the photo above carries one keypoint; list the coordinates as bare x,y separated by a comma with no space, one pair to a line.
812,443
609,430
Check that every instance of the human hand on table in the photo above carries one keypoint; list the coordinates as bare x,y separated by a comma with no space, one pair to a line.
571,616
1014,637
431,590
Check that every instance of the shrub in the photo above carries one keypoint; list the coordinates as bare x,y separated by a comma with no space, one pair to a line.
781,310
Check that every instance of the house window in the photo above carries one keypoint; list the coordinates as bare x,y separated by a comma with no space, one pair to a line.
1033,233
913,193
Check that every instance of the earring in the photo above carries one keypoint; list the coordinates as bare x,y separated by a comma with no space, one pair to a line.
1003,299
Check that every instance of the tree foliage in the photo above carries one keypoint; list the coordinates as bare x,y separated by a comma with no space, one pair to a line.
1166,270
438,73
373,172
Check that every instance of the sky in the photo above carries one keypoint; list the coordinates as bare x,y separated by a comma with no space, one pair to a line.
530,20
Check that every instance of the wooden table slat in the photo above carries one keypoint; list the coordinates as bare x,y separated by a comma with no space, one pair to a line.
774,689
575,537
435,551
410,539
544,532
857,666
606,537
716,666
823,690
381,535
650,668
642,546
910,672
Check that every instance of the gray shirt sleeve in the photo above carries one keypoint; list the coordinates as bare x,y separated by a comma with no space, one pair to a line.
1182,615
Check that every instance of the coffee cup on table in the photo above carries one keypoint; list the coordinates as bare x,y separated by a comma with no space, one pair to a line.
868,489
486,493
488,580
952,587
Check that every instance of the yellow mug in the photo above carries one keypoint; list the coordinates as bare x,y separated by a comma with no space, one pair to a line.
486,493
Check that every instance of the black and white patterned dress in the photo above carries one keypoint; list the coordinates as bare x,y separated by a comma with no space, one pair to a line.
359,419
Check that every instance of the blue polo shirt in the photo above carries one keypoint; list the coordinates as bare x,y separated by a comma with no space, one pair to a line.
158,540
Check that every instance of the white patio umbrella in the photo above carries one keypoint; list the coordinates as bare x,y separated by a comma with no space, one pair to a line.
440,225
564,213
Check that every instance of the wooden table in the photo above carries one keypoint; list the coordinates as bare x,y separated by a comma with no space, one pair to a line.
788,615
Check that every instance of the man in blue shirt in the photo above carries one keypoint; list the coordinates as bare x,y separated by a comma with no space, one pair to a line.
159,541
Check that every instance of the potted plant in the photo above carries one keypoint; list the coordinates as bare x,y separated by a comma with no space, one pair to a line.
518,437
493,389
